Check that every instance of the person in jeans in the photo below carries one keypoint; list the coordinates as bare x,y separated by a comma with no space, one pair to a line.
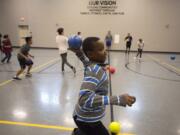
6,48
62,43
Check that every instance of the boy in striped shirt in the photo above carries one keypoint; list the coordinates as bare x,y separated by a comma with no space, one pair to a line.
93,95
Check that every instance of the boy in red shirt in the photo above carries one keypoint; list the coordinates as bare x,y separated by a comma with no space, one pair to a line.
6,48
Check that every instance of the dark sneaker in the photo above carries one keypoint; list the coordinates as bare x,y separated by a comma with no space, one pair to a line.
74,70
16,78
74,132
28,75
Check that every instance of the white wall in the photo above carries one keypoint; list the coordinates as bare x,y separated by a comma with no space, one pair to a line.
145,19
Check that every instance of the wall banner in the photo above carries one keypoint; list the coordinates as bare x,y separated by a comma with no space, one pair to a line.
102,7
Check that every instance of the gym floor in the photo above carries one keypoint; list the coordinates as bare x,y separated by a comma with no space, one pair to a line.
44,103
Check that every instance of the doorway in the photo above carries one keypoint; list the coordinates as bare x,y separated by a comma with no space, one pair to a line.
23,32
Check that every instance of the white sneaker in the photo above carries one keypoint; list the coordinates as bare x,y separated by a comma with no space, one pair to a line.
74,70
28,75
16,78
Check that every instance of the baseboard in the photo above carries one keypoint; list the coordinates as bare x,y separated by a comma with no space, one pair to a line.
53,48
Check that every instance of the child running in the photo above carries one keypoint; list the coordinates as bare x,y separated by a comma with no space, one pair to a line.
93,95
24,58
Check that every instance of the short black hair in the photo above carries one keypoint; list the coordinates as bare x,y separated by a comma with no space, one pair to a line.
60,31
140,39
0,35
79,33
6,36
89,44
27,39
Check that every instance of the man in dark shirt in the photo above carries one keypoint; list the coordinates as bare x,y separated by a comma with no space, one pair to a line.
128,40
24,59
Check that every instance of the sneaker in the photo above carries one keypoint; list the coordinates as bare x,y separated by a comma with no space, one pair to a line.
28,75
76,132
16,78
74,70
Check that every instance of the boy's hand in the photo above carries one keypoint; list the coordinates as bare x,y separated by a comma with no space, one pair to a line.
126,99
74,50
27,58
31,56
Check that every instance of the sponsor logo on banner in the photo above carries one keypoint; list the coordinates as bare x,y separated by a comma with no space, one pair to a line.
102,7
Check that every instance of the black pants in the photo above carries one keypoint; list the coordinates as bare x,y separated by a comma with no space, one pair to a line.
128,47
139,52
7,56
96,128
64,61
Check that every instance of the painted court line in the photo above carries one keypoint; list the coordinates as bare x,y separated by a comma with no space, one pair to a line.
35,125
44,126
169,66
6,82
35,69
44,65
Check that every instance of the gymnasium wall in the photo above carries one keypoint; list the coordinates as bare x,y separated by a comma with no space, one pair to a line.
156,21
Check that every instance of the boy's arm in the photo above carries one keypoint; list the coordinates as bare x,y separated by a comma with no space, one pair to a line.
30,55
88,98
23,55
79,53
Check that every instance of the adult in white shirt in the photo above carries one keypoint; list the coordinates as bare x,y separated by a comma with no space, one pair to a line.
140,44
62,43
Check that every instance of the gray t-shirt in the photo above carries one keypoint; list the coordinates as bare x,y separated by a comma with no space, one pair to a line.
24,50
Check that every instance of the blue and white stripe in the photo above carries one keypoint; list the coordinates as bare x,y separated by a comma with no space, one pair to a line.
91,79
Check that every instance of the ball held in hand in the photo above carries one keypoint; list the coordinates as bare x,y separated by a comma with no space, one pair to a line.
74,42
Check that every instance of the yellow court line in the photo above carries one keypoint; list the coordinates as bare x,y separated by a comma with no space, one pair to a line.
6,82
166,64
43,65
44,126
125,134
178,69
33,70
36,125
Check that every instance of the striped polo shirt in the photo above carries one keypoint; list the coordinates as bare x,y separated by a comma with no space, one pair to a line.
93,94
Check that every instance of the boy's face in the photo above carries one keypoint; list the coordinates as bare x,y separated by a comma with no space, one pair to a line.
99,53
30,42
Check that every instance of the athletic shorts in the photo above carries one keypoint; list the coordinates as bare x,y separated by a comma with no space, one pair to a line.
23,62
